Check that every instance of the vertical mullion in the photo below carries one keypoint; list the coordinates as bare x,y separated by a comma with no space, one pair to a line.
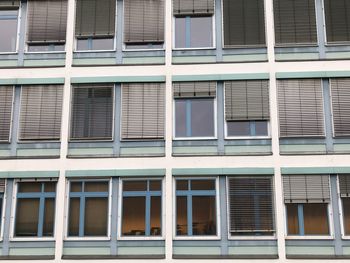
301,219
257,220
148,214
187,31
82,216
252,128
41,212
189,214
188,118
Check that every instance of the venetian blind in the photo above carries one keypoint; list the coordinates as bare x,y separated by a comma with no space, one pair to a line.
6,102
191,7
194,89
337,13
9,3
2,185
344,185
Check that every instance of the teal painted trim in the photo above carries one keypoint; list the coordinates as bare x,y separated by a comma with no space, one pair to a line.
44,62
144,60
30,174
38,152
202,250
141,250
32,251
253,250
86,251
112,79
244,57
90,151
28,81
111,173
247,149
315,170
338,55
142,151
312,74
195,150
221,77
222,171
94,61
297,56
310,250
194,59
8,63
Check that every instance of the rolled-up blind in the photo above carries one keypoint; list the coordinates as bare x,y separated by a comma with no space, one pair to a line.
295,21
41,112
344,185
47,21
306,188
337,13
244,22
95,18
143,21
247,100
92,112
194,89
143,111
340,90
2,185
6,103
9,3
190,7
300,107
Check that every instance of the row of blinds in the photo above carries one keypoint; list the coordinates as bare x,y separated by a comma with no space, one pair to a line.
41,111
6,102
47,21
247,100
190,7
337,14
306,188
2,185
243,22
194,89
300,107
9,3
251,205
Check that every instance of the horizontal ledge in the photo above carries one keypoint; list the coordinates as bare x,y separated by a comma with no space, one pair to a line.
30,174
31,257
315,170
216,77
84,257
31,81
223,171
318,256
111,173
225,256
312,74
114,79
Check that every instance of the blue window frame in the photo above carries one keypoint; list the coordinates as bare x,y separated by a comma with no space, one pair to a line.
86,200
196,209
247,128
35,209
141,207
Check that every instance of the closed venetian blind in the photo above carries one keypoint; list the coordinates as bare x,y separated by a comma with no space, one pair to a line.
191,7
295,21
9,3
2,185
306,188
251,198
300,107
143,21
194,89
143,111
41,112
337,13
47,20
92,112
244,22
95,18
340,90
344,185
247,100
6,102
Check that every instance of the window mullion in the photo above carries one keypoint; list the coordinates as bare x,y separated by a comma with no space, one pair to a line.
301,219
82,216
188,31
41,216
148,215
188,118
189,215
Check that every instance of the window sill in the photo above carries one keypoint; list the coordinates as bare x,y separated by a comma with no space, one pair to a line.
252,238
32,239
188,238
87,239
141,238
309,237
194,138
94,51
142,49
193,48
45,52
247,137
9,52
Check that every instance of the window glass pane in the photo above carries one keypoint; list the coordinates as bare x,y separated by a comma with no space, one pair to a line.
133,220
82,44
261,128
346,214
75,186
292,219
135,186
156,220
180,32
202,118
238,128
8,30
50,187
316,219
96,187
202,184
180,118
181,215
203,215
96,216
144,46
49,217
103,44
201,31
44,48
155,185
74,209
181,184
29,187
27,215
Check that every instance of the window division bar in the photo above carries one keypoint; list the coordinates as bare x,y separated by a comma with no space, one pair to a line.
301,219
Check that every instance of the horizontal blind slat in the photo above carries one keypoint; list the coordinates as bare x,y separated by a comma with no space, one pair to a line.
194,89
191,7
344,185
6,105
337,15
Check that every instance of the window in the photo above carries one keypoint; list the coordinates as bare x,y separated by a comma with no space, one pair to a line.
92,112
244,23
307,199
247,108
6,104
196,207
344,186
340,91
88,214
35,209
141,208
143,111
8,25
95,24
194,109
143,23
2,193
193,23
337,14
300,107
40,112
251,206
295,22
47,21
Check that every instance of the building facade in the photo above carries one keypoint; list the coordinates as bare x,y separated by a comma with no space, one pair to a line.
175,130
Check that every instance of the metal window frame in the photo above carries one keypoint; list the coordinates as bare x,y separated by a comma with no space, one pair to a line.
341,212
3,197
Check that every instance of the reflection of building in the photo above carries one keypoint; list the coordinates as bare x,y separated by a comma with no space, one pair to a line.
152,129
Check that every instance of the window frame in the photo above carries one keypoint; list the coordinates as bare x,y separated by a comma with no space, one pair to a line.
66,236
14,208
217,204
120,209
252,123
3,210
341,212
19,16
